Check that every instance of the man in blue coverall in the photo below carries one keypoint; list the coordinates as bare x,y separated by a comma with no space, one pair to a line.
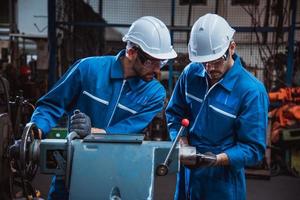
115,94
227,108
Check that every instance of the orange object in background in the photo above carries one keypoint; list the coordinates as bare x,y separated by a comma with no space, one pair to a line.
286,95
288,114
283,117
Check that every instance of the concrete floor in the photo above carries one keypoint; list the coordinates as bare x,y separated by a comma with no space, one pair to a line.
277,188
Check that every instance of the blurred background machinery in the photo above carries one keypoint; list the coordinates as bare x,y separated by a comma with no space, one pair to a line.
285,130
39,40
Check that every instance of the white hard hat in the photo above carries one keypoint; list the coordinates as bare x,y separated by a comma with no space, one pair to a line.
210,38
152,36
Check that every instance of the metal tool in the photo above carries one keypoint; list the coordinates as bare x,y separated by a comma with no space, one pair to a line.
162,169
190,158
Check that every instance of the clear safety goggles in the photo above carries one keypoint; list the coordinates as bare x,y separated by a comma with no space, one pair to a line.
148,61
219,61
214,62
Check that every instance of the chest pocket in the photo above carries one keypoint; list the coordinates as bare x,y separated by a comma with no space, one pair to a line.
194,103
220,120
130,105
97,100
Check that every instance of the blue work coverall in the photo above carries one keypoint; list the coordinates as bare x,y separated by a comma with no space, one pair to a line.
97,87
230,117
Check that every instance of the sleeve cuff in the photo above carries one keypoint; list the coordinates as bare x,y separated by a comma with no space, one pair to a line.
42,124
236,158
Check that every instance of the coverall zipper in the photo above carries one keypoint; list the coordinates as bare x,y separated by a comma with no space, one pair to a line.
124,81
207,92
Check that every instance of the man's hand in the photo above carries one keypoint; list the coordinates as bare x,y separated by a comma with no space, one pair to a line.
80,123
98,130
222,159
38,134
207,159
201,160
191,159
183,142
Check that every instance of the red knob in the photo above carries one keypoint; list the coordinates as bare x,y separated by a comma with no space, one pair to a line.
185,122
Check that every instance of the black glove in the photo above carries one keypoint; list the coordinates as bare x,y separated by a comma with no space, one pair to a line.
80,123
207,159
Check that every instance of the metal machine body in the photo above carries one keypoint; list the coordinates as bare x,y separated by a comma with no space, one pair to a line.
100,163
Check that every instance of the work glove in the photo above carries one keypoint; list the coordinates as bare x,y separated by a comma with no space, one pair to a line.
207,159
80,123
191,159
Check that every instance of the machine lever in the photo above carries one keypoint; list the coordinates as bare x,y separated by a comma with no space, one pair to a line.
71,136
162,169
115,194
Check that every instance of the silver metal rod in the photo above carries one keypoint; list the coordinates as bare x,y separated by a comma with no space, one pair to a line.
173,145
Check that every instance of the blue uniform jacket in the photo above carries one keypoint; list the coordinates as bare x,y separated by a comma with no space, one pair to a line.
229,117
96,86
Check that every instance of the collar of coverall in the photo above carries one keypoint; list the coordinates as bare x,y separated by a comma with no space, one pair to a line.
116,72
230,77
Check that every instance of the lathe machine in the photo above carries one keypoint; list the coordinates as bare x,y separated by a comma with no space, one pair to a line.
100,166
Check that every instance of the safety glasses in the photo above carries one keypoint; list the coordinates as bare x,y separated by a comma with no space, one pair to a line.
219,61
147,61
215,62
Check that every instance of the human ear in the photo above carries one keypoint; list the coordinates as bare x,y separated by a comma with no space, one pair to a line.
131,53
232,47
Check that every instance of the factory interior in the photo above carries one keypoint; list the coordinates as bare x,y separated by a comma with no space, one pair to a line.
42,40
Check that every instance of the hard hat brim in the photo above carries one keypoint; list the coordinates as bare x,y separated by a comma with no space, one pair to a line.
206,58
161,56
164,56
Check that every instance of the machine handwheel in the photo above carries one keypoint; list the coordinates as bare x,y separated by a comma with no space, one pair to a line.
162,170
28,151
24,162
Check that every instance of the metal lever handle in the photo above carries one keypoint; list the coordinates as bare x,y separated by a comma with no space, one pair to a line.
71,136
162,169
